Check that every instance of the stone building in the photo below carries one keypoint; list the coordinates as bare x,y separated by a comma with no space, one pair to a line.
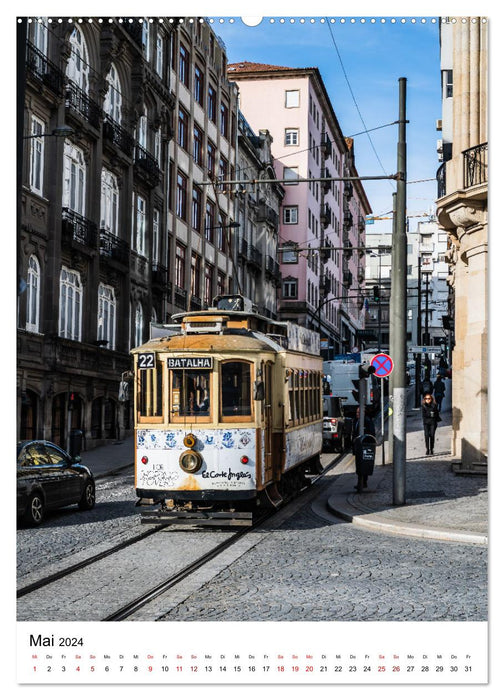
322,224
463,213
121,125
258,216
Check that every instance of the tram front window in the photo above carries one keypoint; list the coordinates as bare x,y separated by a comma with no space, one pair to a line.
236,389
190,393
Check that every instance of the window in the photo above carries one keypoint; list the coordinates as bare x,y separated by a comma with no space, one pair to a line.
290,288
209,275
183,126
291,98
138,243
291,173
78,62
70,313
196,209
212,103
155,235
138,324
221,283
106,315
221,234
289,253
448,74
224,120
199,85
157,147
181,201
180,254
209,221
190,394
150,394
159,54
142,130
113,99
223,170
37,155
74,178
184,65
33,295
195,275
39,34
291,137
197,145
211,153
109,207
290,215
236,394
146,38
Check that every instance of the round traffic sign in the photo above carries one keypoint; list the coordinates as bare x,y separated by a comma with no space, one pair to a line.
383,364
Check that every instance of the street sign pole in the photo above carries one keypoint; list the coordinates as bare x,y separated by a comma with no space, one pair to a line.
383,365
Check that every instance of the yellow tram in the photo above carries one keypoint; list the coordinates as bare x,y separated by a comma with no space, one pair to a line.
228,411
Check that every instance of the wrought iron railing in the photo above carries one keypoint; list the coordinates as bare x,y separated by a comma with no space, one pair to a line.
43,69
114,132
113,247
77,99
475,165
79,229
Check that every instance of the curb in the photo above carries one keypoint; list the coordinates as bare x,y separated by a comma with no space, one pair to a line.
111,472
375,522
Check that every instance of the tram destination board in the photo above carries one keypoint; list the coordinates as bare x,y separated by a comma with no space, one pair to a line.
190,362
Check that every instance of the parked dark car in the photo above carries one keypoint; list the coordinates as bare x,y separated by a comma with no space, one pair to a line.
48,478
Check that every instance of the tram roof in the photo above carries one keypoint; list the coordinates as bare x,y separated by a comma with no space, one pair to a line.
228,342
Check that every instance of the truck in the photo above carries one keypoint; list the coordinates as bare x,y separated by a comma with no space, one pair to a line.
337,428
341,380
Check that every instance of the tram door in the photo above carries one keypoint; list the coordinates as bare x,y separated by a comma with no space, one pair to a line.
268,422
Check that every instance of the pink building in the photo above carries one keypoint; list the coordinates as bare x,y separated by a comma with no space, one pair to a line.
322,224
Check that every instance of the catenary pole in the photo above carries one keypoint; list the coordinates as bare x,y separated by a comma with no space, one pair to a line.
400,311
392,346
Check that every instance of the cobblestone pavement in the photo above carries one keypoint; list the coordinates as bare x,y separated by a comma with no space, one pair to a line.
313,568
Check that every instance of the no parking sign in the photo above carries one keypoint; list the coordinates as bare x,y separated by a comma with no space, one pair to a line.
383,365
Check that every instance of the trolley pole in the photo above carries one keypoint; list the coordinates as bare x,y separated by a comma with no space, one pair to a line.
399,319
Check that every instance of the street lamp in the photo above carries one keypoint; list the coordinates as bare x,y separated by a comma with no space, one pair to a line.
63,131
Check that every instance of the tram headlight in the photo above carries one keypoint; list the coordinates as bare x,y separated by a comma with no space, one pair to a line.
190,461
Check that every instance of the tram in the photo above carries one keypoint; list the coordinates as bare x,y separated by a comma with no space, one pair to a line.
228,412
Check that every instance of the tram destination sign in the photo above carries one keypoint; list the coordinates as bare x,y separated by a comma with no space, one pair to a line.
190,362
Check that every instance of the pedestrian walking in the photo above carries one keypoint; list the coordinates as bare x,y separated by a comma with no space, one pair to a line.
427,386
439,391
361,470
430,417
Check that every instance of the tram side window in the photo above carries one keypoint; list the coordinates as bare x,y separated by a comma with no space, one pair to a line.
236,395
304,396
190,394
150,392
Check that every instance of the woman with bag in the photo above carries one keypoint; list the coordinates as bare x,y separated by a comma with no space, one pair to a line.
430,417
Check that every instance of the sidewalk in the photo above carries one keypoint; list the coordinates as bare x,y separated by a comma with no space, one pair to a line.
111,458
439,503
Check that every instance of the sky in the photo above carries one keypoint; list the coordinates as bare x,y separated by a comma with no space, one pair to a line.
361,63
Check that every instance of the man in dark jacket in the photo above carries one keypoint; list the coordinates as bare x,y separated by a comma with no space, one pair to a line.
439,391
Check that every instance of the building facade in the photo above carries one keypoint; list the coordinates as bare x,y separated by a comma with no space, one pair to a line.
123,124
258,209
463,214
322,223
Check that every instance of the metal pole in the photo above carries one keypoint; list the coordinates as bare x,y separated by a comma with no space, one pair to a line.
392,305
418,357
382,422
400,310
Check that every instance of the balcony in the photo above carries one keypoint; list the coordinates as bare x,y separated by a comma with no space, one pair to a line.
441,181
325,215
44,70
255,257
196,303
475,165
325,285
361,223
180,297
243,249
348,190
361,273
146,166
113,248
266,213
348,248
77,100
325,146
77,229
119,137
325,184
159,275
347,278
347,220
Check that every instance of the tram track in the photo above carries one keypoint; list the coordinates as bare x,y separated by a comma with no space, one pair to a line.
131,607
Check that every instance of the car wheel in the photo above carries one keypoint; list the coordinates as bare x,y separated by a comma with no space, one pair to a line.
88,498
35,510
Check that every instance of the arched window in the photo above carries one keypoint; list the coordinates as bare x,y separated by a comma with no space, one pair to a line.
74,178
113,98
109,209
142,130
138,324
106,315
78,63
70,315
33,295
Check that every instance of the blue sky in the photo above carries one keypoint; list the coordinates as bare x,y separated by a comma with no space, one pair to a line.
374,57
